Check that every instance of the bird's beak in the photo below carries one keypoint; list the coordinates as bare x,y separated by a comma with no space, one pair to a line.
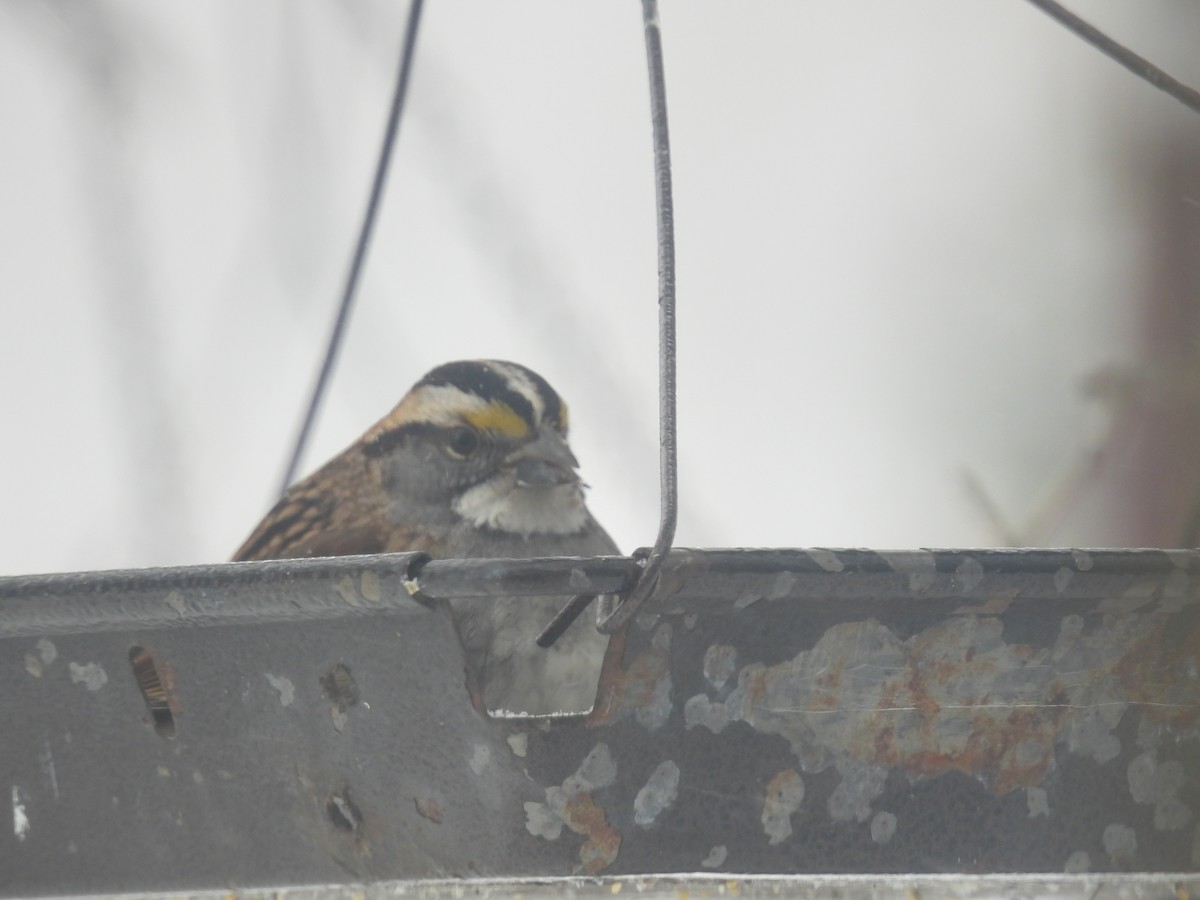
544,462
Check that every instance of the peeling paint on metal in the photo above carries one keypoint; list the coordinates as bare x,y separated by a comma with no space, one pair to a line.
783,796
700,710
921,569
47,651
519,743
747,599
174,599
883,827
480,757
287,690
782,586
572,805
1120,843
1083,560
20,817
598,770
428,808
1037,801
716,857
92,675
968,575
1171,815
719,662
1159,783
541,821
957,697
826,559
658,793
861,783
36,665
642,690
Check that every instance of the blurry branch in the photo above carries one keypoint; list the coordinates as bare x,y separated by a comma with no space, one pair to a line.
1004,534
1140,67
1063,495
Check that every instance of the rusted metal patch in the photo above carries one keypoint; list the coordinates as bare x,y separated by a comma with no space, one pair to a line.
957,697
584,816
784,794
430,809
642,690
571,804
657,794
1160,673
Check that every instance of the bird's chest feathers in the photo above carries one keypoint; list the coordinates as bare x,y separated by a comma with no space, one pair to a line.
501,505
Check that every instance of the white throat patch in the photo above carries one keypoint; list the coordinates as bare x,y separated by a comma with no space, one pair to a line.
501,505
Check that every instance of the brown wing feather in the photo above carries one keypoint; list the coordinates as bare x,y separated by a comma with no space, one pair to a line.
336,511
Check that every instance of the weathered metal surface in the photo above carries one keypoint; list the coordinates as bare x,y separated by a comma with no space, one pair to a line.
773,712
260,592
711,887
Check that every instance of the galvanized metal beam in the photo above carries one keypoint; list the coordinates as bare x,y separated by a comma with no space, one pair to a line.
787,713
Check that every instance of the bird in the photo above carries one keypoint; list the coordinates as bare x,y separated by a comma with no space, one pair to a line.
472,463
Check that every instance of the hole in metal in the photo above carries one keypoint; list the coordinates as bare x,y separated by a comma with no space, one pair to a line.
340,687
343,812
153,690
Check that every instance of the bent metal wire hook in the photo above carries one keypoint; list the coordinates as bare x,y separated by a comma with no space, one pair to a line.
611,614
608,618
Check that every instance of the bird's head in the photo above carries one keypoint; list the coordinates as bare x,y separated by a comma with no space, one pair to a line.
488,441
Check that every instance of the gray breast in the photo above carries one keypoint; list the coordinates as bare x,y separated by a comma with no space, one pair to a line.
505,667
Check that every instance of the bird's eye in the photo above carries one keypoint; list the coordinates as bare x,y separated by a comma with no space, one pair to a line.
462,442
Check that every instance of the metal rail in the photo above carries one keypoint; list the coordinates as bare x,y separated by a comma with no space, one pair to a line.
1007,716
283,590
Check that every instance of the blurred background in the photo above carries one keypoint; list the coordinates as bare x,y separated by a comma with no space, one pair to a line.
938,262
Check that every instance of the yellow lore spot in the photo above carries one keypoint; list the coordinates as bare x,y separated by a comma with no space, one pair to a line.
498,417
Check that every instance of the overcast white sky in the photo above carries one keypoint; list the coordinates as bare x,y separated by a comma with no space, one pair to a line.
908,232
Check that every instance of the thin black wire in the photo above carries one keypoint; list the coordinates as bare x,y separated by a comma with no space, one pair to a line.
1143,68
609,619
360,248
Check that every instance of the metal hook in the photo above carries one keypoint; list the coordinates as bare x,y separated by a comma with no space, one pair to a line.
611,615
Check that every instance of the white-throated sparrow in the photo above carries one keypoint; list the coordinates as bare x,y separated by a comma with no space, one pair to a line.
473,462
